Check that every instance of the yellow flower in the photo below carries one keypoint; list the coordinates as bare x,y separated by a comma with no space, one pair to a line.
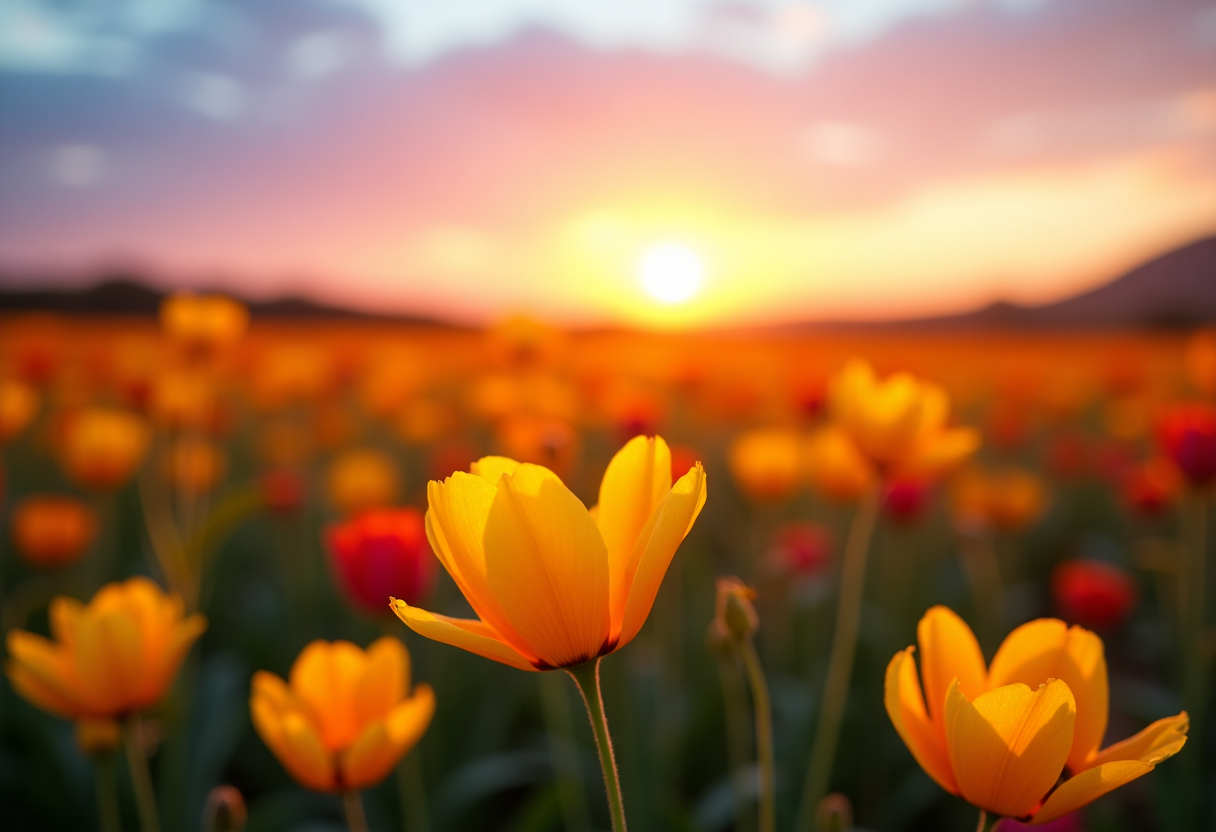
203,321
115,656
900,422
101,448
18,402
767,464
346,718
553,584
1000,736
361,479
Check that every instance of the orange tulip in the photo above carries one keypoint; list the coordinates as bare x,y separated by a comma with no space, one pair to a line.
553,584
836,468
101,448
347,716
898,423
115,656
1001,736
1009,499
361,479
50,530
767,465
18,403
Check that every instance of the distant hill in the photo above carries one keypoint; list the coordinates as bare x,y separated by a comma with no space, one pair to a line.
1177,289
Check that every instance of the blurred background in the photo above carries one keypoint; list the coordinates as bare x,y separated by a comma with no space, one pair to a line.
539,228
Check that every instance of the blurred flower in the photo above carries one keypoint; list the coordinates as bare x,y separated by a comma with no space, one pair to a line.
906,499
836,469
224,810
898,423
767,464
520,342
50,530
100,448
553,584
810,395
1188,436
1201,361
383,552
389,382
95,737
1001,736
835,814
1009,499
288,373
799,549
1127,418
1093,593
423,421
203,323
347,717
283,491
1008,425
1150,486
181,400
195,465
114,656
361,479
37,358
1068,456
453,455
539,440
735,617
683,457
18,404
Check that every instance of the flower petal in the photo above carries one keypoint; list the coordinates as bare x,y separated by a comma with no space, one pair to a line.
948,651
657,545
490,468
1159,741
385,680
467,634
324,677
1050,649
1008,747
547,566
287,731
634,484
109,661
1087,787
906,707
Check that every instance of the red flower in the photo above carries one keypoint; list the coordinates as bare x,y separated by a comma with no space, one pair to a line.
1151,485
1188,436
282,491
906,500
800,548
383,552
1093,593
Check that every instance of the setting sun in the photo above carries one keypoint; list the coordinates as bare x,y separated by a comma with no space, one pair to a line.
671,272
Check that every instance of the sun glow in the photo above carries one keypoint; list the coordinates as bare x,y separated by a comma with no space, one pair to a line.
671,273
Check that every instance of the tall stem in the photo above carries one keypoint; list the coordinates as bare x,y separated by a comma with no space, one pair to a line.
737,739
412,792
587,677
840,663
764,735
141,778
352,804
108,819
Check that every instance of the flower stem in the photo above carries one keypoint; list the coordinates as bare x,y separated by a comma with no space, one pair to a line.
352,803
987,824
840,663
108,819
764,735
412,791
587,677
560,726
736,736
141,778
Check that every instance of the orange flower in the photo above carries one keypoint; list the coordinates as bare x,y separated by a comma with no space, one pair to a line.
203,322
836,468
346,718
1008,499
50,530
101,448
196,465
898,423
767,465
18,403
361,479
1001,736
114,656
553,584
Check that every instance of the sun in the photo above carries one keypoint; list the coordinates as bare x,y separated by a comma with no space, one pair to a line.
671,272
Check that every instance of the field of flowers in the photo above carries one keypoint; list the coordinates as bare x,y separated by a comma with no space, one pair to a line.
303,575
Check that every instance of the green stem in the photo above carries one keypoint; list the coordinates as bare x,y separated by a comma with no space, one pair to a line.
736,736
352,804
840,663
141,778
587,677
1196,658
764,735
987,824
108,819
412,790
560,727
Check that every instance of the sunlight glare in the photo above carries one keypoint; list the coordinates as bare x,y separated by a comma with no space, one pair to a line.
671,272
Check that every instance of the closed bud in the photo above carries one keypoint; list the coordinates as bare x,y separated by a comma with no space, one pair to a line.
225,810
835,814
735,617
717,642
97,736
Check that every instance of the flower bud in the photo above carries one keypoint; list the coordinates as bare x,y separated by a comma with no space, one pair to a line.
95,737
735,617
835,814
225,810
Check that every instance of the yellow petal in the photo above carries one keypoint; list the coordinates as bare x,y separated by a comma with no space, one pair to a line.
182,636
467,634
65,614
109,661
635,482
324,677
455,527
41,672
1050,649
385,680
1087,787
937,452
906,708
1008,747
948,651
547,566
490,468
288,733
384,742
1159,741
657,545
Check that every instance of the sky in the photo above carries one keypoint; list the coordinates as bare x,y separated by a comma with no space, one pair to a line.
466,159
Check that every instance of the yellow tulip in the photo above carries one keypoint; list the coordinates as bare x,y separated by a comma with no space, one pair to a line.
553,583
346,717
767,465
1001,736
115,656
899,423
